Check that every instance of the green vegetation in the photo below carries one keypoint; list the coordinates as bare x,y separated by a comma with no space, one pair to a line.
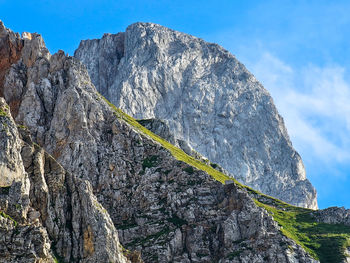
234,254
325,242
189,169
151,161
56,257
19,126
133,256
176,152
126,225
214,165
177,221
3,214
150,238
3,113
5,190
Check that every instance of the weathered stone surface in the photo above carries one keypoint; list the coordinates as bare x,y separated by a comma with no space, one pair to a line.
161,206
45,210
208,99
20,239
333,215
45,205
162,129
10,158
10,51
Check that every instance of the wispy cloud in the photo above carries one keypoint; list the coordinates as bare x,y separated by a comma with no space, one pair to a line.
315,104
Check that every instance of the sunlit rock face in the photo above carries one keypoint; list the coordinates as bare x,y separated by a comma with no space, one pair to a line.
207,98
46,213
92,179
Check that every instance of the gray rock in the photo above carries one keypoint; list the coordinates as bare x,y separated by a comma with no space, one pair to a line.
44,211
208,99
333,215
100,169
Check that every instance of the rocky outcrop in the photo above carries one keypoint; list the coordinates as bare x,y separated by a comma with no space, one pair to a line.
163,207
208,99
333,215
10,50
162,129
44,211
20,239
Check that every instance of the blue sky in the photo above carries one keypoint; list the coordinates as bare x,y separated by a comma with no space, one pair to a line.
299,50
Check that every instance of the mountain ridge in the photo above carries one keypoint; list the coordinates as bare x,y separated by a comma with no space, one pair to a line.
163,203
207,98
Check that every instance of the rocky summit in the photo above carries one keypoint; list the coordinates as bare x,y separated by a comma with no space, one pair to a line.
208,99
82,181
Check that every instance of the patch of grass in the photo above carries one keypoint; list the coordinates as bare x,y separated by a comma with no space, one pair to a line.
150,238
151,161
126,225
22,127
189,169
3,214
201,255
100,207
56,257
133,256
3,113
177,221
214,165
234,254
324,242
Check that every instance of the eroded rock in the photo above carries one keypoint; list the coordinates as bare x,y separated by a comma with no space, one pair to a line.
207,97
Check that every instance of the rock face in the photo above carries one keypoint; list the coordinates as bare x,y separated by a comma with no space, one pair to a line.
45,212
333,215
163,207
208,99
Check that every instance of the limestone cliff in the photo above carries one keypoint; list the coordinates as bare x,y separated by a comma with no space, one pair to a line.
208,99
46,213
103,172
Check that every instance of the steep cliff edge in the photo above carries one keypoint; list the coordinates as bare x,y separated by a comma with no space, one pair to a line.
46,213
208,99
108,172
161,206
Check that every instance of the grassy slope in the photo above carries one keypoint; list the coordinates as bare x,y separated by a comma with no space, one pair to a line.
324,242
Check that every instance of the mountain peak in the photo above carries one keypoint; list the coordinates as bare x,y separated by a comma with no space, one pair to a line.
207,98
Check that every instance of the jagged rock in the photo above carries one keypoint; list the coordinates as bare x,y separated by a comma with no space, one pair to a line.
44,210
162,129
208,99
333,215
10,50
10,158
169,211
20,241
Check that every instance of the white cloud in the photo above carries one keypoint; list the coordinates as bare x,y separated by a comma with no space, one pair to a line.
315,104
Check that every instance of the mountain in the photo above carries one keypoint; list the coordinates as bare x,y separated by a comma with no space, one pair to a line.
82,181
206,97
